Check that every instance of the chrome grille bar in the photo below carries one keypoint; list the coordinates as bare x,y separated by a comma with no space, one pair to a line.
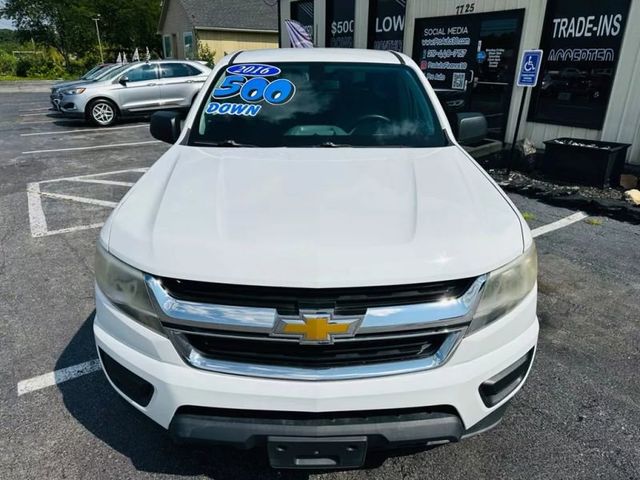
447,312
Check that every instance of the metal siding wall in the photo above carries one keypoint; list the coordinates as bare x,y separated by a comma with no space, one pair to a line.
319,14
362,24
285,14
622,123
221,42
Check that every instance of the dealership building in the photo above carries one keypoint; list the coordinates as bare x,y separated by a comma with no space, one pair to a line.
589,84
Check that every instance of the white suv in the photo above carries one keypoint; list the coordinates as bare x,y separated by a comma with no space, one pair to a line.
316,267
134,89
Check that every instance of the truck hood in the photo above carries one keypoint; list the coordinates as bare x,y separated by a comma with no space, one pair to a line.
318,217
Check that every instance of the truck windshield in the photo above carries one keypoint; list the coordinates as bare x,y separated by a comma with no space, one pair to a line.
317,104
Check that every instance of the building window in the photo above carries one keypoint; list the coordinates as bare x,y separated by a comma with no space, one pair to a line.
386,24
581,43
167,45
188,45
302,12
340,23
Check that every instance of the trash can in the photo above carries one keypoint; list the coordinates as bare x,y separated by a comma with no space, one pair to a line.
586,162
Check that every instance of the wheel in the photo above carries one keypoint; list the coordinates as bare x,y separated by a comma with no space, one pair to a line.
102,113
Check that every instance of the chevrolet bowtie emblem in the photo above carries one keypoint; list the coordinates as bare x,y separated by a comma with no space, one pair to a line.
312,327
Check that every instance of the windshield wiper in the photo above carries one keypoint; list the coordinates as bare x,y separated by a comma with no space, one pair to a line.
226,143
333,145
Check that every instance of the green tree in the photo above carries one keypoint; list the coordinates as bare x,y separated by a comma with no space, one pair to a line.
7,36
67,25
127,24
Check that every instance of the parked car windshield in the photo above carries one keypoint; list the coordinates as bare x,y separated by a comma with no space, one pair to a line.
102,73
111,74
90,73
317,104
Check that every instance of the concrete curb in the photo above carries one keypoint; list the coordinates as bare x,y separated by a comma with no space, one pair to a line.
26,86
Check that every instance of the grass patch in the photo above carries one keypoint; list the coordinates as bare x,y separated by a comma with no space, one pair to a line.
593,221
528,216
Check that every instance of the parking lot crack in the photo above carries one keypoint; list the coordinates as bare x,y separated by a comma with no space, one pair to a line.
77,254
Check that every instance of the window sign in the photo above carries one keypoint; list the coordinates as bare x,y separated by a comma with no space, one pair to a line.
340,23
445,49
471,62
581,41
302,12
386,24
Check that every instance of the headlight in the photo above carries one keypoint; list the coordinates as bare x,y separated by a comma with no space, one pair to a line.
505,288
124,286
74,91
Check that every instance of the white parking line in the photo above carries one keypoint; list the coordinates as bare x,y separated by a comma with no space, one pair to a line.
80,130
94,147
37,219
57,377
18,104
77,228
90,201
34,123
116,183
33,114
26,110
563,222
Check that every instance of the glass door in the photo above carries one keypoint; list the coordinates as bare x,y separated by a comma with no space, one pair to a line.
471,61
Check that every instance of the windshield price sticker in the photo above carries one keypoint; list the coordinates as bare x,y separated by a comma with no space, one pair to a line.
250,83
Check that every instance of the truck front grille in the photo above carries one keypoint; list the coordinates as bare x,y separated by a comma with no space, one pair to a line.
289,301
238,329
363,349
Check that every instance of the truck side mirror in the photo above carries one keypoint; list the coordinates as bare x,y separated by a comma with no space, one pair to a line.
471,128
166,126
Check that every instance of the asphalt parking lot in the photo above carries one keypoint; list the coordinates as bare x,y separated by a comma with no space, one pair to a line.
578,416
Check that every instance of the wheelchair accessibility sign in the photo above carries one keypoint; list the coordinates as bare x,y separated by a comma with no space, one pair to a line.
529,68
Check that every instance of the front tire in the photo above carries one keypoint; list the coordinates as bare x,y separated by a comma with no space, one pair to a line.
102,113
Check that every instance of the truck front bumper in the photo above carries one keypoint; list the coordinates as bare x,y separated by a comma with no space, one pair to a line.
464,396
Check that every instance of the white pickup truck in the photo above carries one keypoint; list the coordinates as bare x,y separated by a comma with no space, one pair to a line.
316,268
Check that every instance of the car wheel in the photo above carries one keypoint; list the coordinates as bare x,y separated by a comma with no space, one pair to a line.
102,113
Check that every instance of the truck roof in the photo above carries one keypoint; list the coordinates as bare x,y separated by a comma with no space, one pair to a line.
319,55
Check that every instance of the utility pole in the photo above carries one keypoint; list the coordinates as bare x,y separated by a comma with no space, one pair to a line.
97,19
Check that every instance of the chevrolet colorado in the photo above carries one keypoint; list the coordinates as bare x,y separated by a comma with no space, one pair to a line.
316,268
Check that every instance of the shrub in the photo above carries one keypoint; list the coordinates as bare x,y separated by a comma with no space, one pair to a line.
23,64
8,64
45,67
205,54
38,66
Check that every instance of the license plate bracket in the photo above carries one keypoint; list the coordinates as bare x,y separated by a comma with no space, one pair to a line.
314,452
